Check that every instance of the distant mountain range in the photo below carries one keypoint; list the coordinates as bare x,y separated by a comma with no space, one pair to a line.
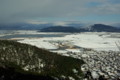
93,28
59,29
73,27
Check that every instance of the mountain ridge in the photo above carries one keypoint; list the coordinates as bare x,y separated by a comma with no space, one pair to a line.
93,28
56,28
59,29
103,28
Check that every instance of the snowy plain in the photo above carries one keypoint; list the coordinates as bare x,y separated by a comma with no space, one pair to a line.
101,41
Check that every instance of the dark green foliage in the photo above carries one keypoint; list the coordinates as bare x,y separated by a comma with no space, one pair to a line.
19,56
10,73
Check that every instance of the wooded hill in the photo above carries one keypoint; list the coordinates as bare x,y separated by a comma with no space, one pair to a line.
25,62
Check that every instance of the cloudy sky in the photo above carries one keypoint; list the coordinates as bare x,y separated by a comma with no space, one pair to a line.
100,11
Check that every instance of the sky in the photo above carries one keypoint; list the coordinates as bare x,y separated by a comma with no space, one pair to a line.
42,11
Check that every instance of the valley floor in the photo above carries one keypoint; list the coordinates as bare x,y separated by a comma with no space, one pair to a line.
100,41
100,50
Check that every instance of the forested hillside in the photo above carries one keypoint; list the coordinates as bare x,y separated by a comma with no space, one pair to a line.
24,60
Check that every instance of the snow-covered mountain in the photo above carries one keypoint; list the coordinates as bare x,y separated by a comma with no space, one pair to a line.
102,28
54,27
92,28
33,26
116,25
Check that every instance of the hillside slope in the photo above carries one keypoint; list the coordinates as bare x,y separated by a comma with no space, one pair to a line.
27,59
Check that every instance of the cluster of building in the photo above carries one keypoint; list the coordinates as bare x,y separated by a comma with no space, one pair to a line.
103,63
99,63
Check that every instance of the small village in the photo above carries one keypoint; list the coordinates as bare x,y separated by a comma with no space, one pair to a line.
100,65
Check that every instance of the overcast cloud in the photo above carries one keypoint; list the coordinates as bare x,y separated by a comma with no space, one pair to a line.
12,11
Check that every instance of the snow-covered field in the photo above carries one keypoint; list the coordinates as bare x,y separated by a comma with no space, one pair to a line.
92,40
101,41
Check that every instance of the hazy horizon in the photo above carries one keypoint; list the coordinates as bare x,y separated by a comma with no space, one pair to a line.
59,11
